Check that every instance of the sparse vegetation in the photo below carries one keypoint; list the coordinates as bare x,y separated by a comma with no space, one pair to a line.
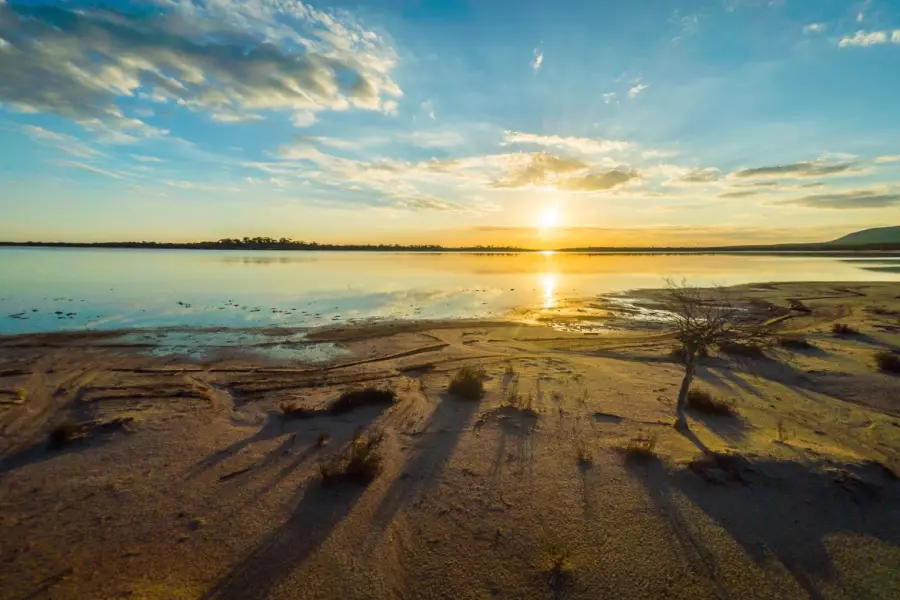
843,329
322,439
523,404
361,463
369,396
640,448
510,371
888,361
794,341
468,383
702,401
798,306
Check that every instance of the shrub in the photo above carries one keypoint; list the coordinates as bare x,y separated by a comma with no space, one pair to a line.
292,411
795,341
843,329
560,570
322,439
468,383
369,396
703,402
640,448
360,464
888,362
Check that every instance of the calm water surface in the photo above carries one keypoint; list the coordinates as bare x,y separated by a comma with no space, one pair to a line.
47,289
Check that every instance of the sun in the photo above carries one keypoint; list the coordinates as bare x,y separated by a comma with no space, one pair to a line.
550,217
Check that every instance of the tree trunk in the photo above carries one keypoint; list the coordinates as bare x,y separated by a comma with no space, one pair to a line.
680,416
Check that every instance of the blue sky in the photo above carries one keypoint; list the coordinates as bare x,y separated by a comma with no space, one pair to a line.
542,124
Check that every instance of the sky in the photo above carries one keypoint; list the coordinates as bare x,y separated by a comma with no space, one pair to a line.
541,124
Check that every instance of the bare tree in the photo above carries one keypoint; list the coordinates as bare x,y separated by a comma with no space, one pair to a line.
704,319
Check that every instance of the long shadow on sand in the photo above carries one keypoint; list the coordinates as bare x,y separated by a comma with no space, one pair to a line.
276,426
785,513
427,461
318,512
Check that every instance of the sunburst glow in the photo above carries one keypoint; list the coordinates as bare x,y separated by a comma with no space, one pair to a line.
550,217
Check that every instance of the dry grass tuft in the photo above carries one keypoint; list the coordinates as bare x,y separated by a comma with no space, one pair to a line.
360,464
640,448
702,401
522,404
843,329
583,455
468,383
370,396
888,361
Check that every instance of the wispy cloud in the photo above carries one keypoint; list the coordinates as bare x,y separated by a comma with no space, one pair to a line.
849,199
578,144
65,143
147,159
538,60
701,175
890,158
815,28
816,168
871,38
635,90
609,97
90,168
303,118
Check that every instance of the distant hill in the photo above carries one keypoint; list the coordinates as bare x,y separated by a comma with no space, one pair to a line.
878,235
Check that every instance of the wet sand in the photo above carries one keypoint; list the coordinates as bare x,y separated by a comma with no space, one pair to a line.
190,482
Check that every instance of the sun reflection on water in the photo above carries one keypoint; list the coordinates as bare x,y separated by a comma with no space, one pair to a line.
549,282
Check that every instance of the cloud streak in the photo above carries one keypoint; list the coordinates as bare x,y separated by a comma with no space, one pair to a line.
816,168
849,199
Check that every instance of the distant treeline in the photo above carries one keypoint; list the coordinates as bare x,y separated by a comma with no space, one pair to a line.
267,243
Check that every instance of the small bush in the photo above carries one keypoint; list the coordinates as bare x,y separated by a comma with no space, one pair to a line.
640,448
703,402
794,341
468,383
360,464
740,349
292,411
369,396
65,433
888,361
843,329
583,456
510,371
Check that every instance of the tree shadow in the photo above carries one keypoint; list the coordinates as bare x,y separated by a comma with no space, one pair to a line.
318,512
427,461
277,425
785,512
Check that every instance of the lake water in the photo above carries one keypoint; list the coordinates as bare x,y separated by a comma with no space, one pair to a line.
48,289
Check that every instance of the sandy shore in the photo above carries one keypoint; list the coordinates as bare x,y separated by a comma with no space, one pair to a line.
188,481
